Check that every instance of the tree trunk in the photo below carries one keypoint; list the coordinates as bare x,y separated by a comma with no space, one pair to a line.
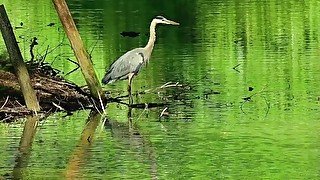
78,48
17,62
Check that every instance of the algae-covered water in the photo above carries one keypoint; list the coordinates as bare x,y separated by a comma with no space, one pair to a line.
251,110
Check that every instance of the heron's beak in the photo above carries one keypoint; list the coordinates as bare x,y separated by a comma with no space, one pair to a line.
172,22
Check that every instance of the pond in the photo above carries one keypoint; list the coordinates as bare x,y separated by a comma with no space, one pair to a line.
248,109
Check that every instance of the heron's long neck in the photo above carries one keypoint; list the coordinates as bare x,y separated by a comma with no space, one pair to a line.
152,38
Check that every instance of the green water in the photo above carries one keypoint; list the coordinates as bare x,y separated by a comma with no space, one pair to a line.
210,132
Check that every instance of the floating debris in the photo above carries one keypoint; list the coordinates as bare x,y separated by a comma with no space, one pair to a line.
235,68
19,27
164,112
51,24
129,34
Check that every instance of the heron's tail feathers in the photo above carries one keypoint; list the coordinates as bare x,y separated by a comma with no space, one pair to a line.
106,79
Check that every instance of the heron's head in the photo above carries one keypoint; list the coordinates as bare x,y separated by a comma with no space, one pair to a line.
163,20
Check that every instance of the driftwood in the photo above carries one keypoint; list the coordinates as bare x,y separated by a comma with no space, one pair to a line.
54,94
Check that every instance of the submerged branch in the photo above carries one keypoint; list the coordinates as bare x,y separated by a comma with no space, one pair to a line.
166,85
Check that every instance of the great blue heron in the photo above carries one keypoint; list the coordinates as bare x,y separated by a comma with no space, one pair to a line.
129,64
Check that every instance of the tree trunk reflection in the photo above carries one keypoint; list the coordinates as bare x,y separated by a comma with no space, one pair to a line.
80,153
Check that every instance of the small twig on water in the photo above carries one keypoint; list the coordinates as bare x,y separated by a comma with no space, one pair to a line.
268,106
95,106
235,67
171,85
83,108
4,104
163,112
59,107
7,118
166,85
94,46
146,108
56,57
59,45
78,66
19,103
44,56
241,107
247,99
101,103
81,105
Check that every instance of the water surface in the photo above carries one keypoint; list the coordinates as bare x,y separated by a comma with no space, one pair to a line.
251,109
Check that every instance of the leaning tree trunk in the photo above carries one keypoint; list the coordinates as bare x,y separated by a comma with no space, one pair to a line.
78,48
17,62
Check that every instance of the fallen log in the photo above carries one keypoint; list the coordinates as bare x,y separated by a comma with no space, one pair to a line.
54,94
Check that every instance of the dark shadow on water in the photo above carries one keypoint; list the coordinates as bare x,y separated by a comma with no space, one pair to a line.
130,34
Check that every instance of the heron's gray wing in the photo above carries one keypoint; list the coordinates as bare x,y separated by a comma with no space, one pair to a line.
130,62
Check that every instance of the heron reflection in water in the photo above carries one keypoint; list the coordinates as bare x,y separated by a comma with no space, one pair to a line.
129,64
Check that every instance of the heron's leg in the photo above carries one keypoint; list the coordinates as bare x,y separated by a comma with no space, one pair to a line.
130,118
130,77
